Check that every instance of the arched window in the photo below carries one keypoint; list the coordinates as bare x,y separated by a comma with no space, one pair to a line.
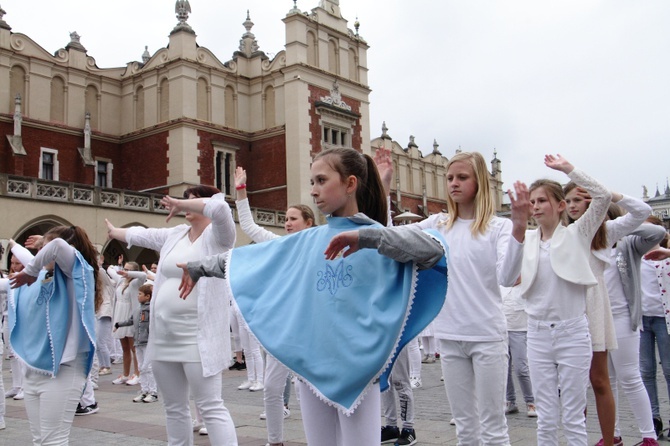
230,117
92,106
139,108
333,57
312,50
269,104
17,85
203,100
164,100
57,106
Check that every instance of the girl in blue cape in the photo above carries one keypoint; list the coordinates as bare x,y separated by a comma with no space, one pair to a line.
336,320
51,327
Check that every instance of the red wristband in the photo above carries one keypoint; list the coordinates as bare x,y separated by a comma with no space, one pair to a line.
241,186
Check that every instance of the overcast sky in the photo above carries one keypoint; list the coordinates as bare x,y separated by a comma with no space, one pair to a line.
589,79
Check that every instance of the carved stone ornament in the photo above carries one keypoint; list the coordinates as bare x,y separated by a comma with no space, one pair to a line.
335,98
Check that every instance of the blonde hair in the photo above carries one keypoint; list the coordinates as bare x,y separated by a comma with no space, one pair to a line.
484,206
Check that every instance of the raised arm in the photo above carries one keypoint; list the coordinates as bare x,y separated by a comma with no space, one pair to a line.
588,223
249,226
638,211
57,250
22,254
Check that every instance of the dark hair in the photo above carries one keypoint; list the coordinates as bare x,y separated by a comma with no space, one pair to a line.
599,240
77,238
305,211
147,289
370,195
201,191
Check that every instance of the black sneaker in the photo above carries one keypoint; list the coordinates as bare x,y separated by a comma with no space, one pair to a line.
658,426
238,366
88,410
390,434
407,437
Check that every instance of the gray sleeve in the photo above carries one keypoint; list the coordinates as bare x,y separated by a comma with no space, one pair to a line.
211,266
646,236
403,244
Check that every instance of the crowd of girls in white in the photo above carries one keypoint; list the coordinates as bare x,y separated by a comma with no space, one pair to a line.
579,273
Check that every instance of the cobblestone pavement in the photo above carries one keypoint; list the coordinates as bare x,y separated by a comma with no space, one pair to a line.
122,422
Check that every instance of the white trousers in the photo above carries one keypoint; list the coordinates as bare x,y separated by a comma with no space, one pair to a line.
2,384
252,355
559,356
273,398
326,426
147,380
88,397
174,380
414,358
51,402
475,377
399,385
624,368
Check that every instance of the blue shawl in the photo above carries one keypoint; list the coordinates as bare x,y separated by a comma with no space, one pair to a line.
337,324
39,314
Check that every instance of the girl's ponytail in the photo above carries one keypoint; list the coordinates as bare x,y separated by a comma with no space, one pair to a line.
370,196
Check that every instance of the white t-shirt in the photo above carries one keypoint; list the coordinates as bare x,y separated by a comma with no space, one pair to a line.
477,265
652,305
551,298
175,330
618,302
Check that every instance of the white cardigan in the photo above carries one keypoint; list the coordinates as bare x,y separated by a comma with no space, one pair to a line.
570,245
213,299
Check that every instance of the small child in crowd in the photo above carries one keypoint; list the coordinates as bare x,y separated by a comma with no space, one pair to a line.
140,320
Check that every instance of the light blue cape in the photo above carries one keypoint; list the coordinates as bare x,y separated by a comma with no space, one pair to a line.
337,324
39,313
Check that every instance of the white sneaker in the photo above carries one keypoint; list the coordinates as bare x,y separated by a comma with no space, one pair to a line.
531,411
452,422
133,381
139,398
245,385
151,398
19,396
256,386
428,359
287,412
415,382
121,380
11,393
263,416
197,426
203,431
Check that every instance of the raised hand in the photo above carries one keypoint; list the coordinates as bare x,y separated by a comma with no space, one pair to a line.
583,194
521,209
173,205
384,164
557,162
187,284
339,242
35,242
240,176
